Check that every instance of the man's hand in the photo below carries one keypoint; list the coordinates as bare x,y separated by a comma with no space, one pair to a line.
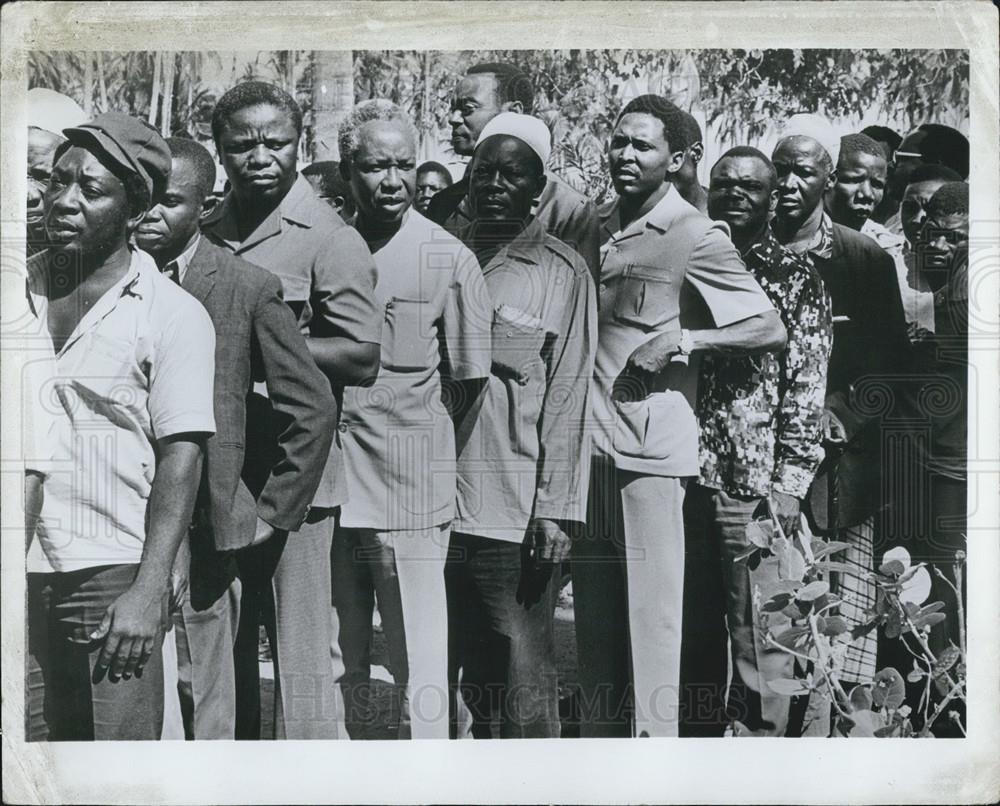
264,532
180,575
550,544
786,510
652,356
833,428
130,628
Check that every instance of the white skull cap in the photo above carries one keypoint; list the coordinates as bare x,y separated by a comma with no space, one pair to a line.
524,127
816,128
53,111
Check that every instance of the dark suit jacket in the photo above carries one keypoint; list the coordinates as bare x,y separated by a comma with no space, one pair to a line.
267,454
871,356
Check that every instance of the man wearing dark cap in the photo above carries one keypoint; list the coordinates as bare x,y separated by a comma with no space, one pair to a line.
672,287
272,218
267,456
132,397
485,91
522,464
432,178
928,144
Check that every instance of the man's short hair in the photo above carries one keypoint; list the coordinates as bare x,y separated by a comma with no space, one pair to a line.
348,136
136,190
431,167
952,198
692,131
860,144
752,153
668,113
944,145
933,173
513,86
886,136
331,182
197,156
253,93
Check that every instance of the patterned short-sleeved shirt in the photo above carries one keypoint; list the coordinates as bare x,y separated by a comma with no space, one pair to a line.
760,417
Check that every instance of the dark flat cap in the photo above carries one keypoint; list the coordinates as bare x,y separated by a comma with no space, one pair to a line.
132,144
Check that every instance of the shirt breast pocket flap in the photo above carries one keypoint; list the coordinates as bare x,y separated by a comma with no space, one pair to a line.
646,297
109,359
405,334
517,340
645,428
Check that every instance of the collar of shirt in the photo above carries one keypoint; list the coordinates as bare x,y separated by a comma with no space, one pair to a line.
223,221
131,285
659,218
822,242
524,247
882,236
183,260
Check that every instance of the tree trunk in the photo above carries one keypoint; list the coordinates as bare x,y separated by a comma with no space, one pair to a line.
88,85
102,82
169,70
333,98
154,92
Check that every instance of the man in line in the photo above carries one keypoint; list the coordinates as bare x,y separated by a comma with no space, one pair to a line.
686,179
272,218
870,345
889,140
257,339
133,380
858,190
432,178
672,284
325,179
521,470
399,443
49,112
485,91
928,144
760,442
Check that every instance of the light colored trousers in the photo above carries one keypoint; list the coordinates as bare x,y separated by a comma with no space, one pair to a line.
404,569
628,585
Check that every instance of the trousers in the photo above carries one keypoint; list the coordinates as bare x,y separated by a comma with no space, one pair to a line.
501,645
628,579
286,586
719,610
66,700
404,569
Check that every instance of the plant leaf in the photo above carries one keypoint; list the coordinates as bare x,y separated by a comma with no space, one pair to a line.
861,698
945,660
788,637
823,549
788,686
893,568
776,603
759,533
835,625
889,690
813,591
865,724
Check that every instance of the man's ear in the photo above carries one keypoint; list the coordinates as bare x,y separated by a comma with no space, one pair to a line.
540,186
697,152
676,161
831,180
772,202
512,106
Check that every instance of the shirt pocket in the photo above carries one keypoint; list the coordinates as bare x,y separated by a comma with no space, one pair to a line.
646,297
404,335
646,429
517,342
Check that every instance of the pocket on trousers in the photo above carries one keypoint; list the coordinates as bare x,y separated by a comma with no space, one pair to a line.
645,297
643,429
404,335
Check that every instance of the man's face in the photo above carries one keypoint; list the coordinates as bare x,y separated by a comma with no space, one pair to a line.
741,193
504,180
859,188
428,183
258,147
475,103
803,177
911,208
86,208
383,171
42,147
170,224
940,240
640,156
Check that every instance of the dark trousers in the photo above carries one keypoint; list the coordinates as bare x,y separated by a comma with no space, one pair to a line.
500,635
66,700
719,611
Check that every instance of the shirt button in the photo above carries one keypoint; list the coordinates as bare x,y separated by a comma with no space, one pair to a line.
342,428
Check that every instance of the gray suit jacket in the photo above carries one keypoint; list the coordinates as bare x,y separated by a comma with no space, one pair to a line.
267,455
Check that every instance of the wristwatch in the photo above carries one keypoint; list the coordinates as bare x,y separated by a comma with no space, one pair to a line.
686,345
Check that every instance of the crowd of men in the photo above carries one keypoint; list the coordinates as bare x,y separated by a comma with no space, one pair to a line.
364,383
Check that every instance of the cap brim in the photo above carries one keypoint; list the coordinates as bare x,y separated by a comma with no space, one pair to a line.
97,140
